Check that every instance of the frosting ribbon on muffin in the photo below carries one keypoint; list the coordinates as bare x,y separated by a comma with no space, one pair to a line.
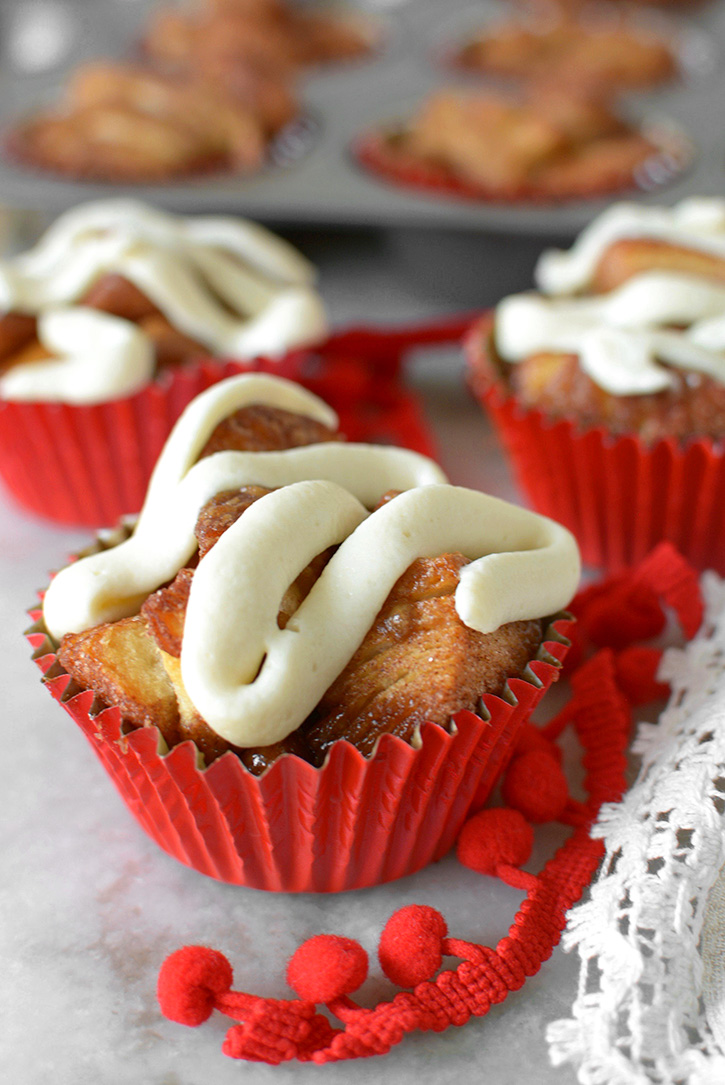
77,339
253,682
696,223
620,336
227,283
617,336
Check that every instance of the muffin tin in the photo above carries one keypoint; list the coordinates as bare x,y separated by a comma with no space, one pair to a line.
324,185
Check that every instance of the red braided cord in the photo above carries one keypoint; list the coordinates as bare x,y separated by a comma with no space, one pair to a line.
236,1004
517,879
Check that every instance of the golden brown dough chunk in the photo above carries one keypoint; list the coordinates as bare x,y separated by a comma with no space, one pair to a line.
164,612
631,256
114,294
121,662
221,512
32,351
17,330
259,428
418,662
171,347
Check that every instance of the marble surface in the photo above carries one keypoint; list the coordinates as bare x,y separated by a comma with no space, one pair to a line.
89,906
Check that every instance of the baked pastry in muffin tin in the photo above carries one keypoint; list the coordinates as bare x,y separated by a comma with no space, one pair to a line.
217,35
126,123
543,144
572,49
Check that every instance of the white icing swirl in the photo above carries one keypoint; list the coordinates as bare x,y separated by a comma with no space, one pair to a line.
113,583
94,356
251,681
244,691
618,337
227,283
621,337
696,223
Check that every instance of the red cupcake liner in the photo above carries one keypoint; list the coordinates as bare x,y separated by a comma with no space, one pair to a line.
377,152
351,824
618,495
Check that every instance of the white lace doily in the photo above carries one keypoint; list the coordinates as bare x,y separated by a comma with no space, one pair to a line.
650,1008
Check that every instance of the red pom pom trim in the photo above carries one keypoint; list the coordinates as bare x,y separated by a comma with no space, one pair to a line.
494,839
535,785
190,981
410,948
327,967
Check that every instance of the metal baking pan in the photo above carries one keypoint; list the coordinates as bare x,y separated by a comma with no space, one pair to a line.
323,185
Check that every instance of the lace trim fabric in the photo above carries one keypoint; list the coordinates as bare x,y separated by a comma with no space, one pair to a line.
648,1007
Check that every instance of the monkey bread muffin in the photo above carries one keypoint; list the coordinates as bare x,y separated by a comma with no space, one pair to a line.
608,384
299,622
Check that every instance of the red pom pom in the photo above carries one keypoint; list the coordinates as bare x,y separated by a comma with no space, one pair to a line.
410,945
189,981
326,967
536,785
637,675
493,837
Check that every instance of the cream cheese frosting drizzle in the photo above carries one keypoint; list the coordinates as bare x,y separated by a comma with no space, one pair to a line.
619,336
622,336
114,583
696,223
251,681
94,356
244,693
227,283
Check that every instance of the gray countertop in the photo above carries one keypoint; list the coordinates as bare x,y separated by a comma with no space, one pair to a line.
89,907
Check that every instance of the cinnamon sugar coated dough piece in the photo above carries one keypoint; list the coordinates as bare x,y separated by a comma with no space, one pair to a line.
420,650
628,331
116,291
